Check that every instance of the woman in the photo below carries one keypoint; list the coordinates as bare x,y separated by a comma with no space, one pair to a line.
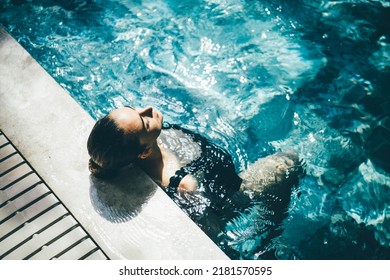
198,175
179,160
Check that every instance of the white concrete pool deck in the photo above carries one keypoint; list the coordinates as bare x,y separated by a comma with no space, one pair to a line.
50,130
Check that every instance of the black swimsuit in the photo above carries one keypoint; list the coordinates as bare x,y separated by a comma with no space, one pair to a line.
231,218
215,167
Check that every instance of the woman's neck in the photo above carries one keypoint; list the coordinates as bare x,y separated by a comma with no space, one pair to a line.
153,165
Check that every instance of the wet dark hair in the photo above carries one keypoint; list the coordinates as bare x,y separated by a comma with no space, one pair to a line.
110,148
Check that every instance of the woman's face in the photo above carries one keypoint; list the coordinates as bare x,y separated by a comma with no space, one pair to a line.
144,122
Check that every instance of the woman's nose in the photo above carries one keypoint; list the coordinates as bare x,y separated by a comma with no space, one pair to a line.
146,112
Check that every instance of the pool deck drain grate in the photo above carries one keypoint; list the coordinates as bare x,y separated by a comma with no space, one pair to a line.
34,224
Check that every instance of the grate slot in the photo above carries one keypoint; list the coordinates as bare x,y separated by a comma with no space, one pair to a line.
11,169
51,241
4,145
31,236
29,221
70,247
24,207
20,194
87,255
17,180
22,217
8,156
8,179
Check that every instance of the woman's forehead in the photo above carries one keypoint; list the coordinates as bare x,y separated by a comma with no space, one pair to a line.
127,119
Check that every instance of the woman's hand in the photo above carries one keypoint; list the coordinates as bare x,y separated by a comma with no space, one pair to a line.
188,184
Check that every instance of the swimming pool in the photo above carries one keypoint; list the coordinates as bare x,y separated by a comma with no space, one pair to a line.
255,77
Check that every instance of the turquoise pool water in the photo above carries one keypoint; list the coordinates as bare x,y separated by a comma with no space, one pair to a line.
255,77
